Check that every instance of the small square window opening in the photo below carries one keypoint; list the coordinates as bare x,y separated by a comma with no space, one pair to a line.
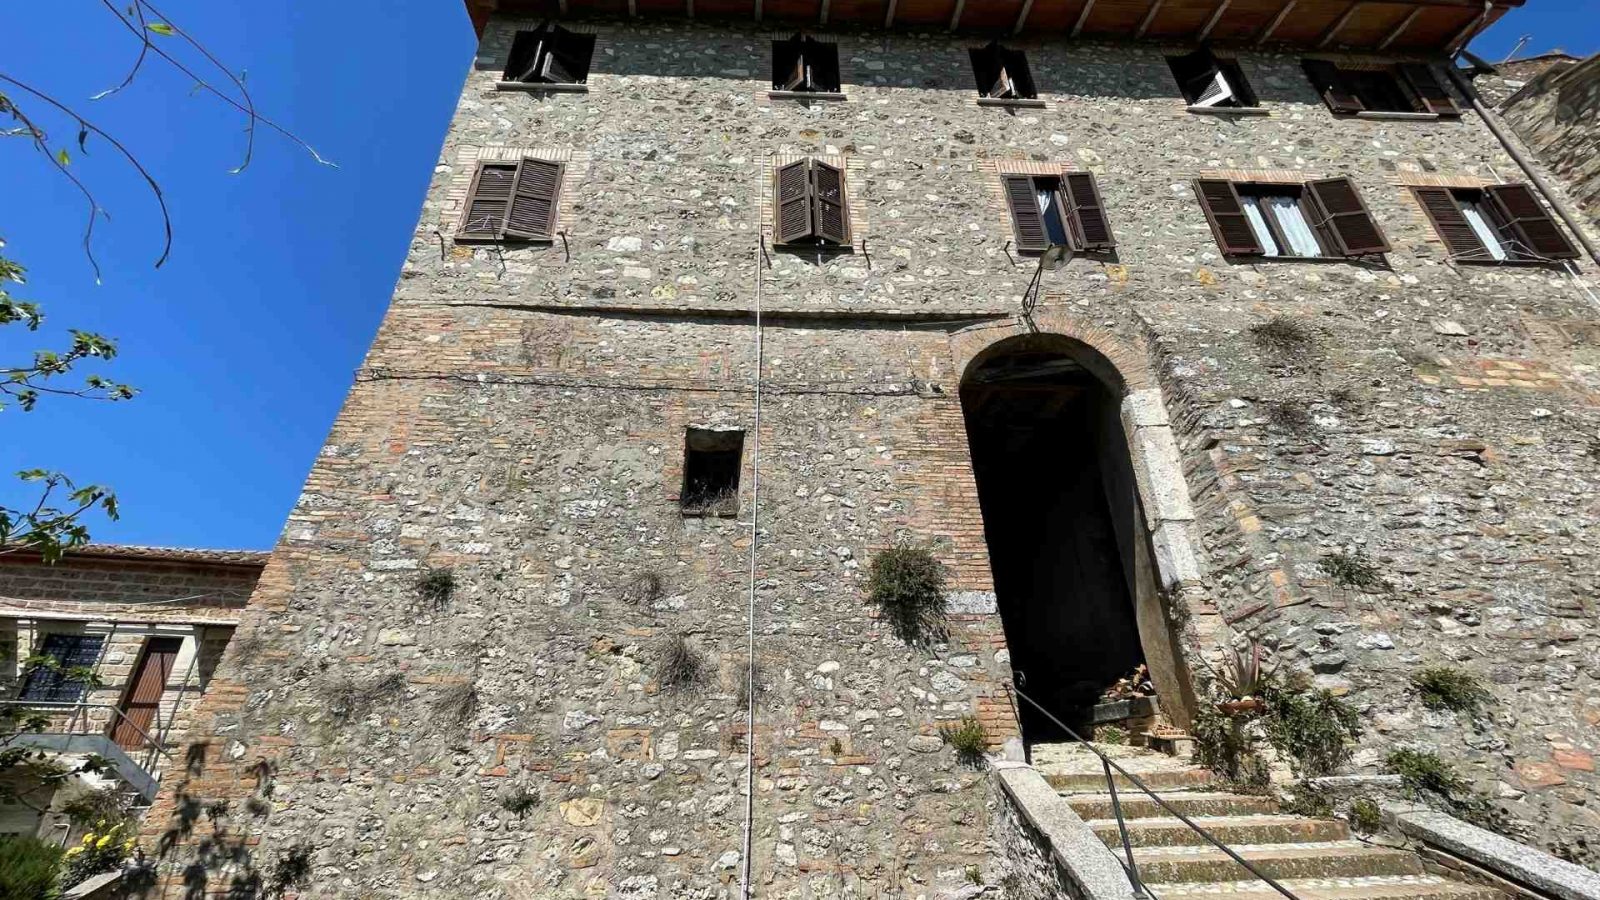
1002,73
805,64
52,681
550,54
711,462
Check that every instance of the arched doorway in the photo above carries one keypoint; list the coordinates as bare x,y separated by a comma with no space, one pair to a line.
1074,573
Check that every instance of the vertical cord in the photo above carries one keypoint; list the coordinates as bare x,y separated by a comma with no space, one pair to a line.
750,647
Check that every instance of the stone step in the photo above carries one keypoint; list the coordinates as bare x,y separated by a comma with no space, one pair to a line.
1094,782
1322,859
1381,887
1138,805
1230,830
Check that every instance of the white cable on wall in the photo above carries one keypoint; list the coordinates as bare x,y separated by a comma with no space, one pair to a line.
755,543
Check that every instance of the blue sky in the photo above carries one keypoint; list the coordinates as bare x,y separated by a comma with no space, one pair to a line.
244,343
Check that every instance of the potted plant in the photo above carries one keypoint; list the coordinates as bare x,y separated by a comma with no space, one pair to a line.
1243,676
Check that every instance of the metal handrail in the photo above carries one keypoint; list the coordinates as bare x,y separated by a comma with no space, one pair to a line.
81,708
1122,828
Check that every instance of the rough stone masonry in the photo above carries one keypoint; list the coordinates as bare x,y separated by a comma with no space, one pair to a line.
520,421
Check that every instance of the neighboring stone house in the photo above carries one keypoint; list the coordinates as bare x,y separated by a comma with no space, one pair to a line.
1555,110
701,315
150,623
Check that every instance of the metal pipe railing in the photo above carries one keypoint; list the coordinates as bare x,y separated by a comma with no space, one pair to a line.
80,713
1122,828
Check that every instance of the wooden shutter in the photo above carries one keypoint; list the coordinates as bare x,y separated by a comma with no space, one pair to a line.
986,66
1349,222
1450,222
570,54
1016,62
1088,214
1195,72
1527,225
831,216
822,65
488,200
793,202
135,728
1026,218
524,59
1329,82
1431,95
533,200
1225,212
788,64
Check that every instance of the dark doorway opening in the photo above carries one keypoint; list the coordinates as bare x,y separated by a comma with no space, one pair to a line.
1060,516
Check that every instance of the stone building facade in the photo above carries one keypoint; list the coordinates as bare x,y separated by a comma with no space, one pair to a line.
524,419
150,623
1555,110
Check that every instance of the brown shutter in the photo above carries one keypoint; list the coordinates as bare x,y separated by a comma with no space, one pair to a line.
524,57
1430,93
1450,223
1025,215
488,200
533,200
1021,76
986,65
822,65
832,218
1225,212
1525,222
1329,82
1354,231
793,206
1089,223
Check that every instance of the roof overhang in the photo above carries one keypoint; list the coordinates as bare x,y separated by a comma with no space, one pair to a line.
1414,26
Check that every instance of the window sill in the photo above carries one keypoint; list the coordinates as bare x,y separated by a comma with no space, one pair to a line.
1230,110
1014,102
1398,116
541,87
807,95
475,241
1254,258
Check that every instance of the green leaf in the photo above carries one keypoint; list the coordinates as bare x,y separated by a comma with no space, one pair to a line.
62,157
162,29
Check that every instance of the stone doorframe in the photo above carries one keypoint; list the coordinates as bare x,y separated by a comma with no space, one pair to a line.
1162,602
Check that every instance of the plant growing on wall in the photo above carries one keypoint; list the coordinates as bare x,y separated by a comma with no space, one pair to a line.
1428,778
642,589
520,800
968,738
1243,675
1446,687
907,585
436,587
1352,570
678,665
1316,729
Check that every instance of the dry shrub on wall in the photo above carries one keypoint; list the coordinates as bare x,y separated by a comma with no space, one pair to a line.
679,667
1283,335
1446,687
907,584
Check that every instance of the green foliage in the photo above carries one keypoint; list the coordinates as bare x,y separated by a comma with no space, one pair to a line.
968,738
1283,335
1423,772
835,747
92,808
1243,673
1114,735
974,875
520,800
678,665
1306,799
436,586
1446,687
1365,817
29,868
1352,570
907,585
291,870
1314,728
1221,745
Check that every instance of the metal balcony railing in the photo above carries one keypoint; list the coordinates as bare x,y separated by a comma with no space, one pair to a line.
74,729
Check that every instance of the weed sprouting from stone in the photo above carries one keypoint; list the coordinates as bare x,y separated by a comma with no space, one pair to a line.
1365,817
1115,735
457,704
679,666
1289,417
1306,799
1282,335
835,748
1315,728
1221,745
436,586
1352,570
642,589
346,699
974,875
1446,687
1423,773
907,585
519,801
290,871
968,738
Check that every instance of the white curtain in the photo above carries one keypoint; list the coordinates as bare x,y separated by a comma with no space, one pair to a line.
1296,230
1484,231
1258,224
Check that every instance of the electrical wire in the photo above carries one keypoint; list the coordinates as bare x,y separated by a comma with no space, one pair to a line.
750,647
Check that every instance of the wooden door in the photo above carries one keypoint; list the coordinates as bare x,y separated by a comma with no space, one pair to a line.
140,704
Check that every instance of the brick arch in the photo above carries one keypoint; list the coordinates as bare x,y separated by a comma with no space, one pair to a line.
1121,367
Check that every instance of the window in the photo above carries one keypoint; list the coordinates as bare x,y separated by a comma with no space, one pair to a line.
1057,209
550,54
1315,220
1002,73
512,200
1495,224
711,461
811,205
1405,88
1211,83
50,682
805,64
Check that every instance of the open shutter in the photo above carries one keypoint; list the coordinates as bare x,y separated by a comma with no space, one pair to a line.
1349,222
1016,63
488,200
533,200
1089,226
831,217
789,64
1025,215
986,67
1196,73
525,47
1431,94
1329,82
1225,212
1527,225
793,205
570,54
1450,222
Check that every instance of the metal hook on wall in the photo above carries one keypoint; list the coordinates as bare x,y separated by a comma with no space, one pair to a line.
565,248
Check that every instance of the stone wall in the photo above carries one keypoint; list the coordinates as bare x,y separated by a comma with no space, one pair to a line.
520,421
1557,114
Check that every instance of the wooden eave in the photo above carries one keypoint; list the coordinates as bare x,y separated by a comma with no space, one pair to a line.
1402,26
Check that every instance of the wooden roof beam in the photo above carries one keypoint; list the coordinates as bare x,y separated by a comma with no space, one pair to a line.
888,17
1465,34
822,17
1266,33
1155,7
758,10
1022,17
1338,25
1212,22
1400,29
1077,27
955,17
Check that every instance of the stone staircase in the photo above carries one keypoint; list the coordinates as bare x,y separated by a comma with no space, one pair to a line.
1317,859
